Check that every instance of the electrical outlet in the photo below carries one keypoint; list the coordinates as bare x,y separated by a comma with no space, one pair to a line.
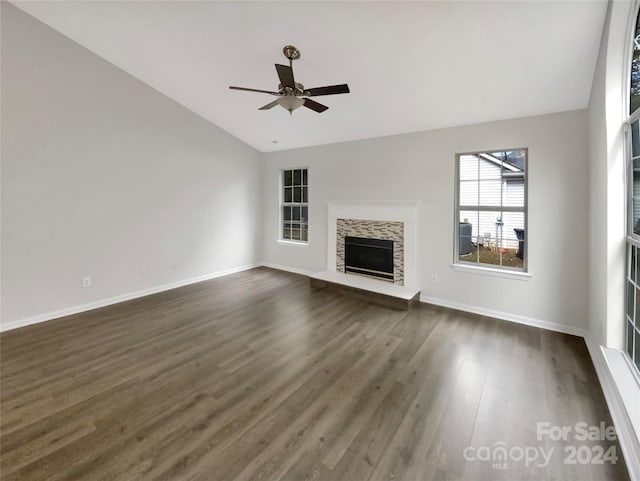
86,281
434,277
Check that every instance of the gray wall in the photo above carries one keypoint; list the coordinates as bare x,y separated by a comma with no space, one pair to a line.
104,176
420,166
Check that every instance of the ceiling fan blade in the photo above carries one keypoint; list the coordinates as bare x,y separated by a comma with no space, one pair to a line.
329,90
313,105
270,105
254,90
285,73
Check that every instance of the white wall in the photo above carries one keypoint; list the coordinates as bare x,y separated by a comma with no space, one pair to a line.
598,197
606,114
104,176
420,166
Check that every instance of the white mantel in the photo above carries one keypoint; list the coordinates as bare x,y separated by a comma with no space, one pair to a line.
377,210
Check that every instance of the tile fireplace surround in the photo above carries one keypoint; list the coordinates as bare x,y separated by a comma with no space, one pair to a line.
373,229
389,220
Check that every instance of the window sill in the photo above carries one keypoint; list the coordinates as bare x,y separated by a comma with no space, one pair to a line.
627,382
293,243
488,271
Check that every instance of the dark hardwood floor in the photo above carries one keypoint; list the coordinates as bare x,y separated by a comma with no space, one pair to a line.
255,376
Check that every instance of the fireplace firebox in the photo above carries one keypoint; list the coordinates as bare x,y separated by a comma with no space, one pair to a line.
369,257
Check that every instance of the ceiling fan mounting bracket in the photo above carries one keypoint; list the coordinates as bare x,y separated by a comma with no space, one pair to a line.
291,52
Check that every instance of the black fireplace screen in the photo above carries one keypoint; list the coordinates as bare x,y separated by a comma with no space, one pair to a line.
371,257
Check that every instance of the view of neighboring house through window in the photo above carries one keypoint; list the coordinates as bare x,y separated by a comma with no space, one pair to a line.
491,209
295,207
632,321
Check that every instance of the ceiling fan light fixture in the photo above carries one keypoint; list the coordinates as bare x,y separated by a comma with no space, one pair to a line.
290,102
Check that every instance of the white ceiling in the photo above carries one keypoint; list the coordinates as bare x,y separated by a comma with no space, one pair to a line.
410,65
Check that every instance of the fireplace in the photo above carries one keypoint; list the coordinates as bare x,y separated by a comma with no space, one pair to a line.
369,257
379,243
395,221
378,236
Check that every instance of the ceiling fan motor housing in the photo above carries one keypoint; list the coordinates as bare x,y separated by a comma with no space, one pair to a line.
299,90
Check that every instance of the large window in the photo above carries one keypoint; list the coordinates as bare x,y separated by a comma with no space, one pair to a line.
632,318
491,209
295,207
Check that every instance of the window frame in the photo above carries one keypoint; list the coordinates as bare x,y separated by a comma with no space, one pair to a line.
281,204
632,239
491,269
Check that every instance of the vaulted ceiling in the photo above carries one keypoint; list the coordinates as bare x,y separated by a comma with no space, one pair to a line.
411,66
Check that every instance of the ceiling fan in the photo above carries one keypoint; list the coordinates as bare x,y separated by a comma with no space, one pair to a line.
290,92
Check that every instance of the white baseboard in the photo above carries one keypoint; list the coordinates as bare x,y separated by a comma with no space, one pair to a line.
115,300
529,321
627,437
293,270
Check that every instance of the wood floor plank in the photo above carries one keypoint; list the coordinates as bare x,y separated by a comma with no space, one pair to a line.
255,376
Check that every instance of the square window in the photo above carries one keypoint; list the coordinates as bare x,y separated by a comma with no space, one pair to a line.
491,199
295,232
491,238
286,231
287,178
490,192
